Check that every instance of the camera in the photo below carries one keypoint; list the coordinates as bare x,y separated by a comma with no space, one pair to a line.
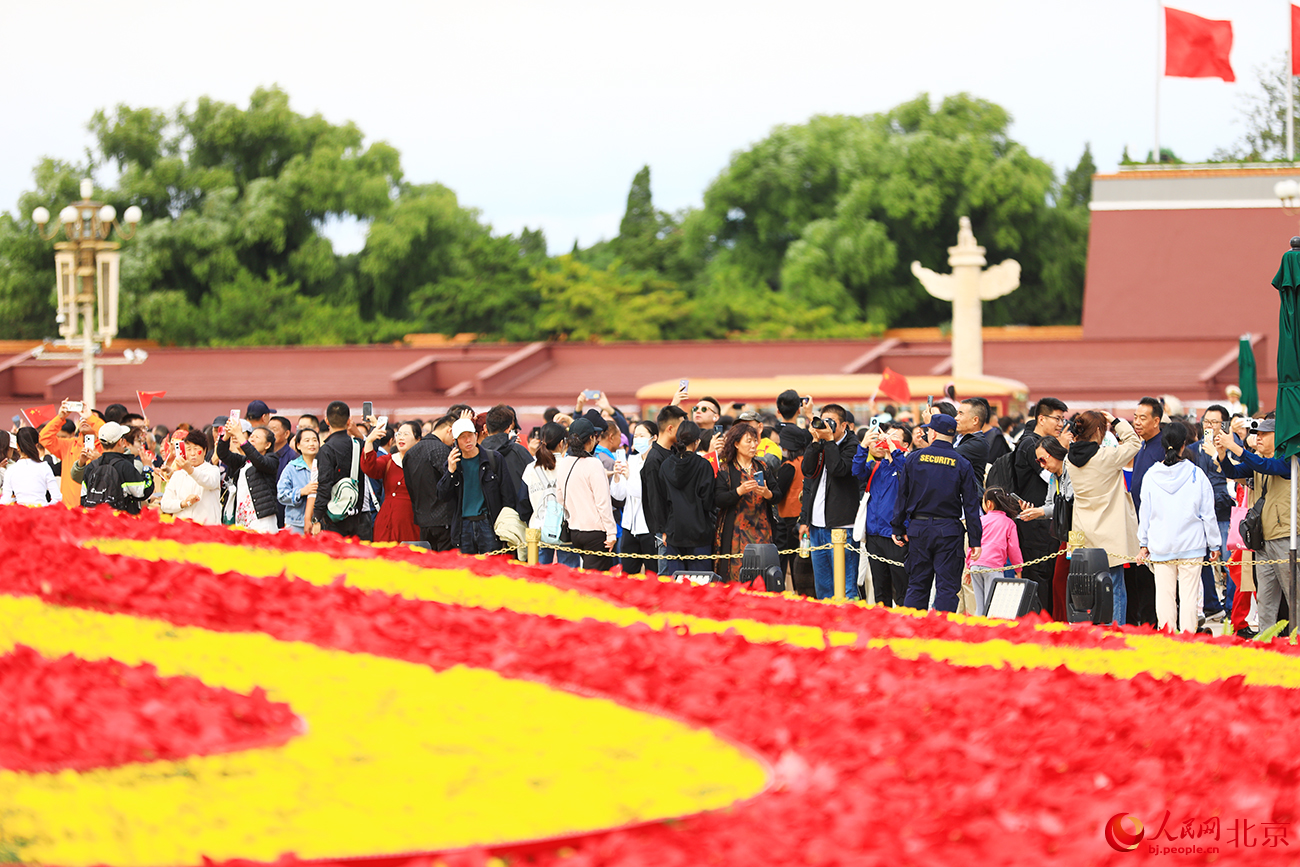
821,424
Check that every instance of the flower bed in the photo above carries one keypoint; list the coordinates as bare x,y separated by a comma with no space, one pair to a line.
890,739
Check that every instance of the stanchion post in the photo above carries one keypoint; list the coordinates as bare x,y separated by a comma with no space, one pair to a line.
838,539
533,538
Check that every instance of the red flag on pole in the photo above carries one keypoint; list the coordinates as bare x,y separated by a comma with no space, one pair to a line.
39,416
1295,39
146,398
1197,47
894,386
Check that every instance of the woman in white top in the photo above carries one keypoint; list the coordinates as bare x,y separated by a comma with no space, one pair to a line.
194,490
30,481
583,491
637,538
539,476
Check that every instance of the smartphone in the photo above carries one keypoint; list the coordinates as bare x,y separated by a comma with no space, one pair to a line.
758,476
90,442
76,406
367,409
382,421
803,401
684,384
591,394
234,417
929,401
621,456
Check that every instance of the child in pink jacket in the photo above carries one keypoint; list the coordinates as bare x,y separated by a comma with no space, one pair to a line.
1001,545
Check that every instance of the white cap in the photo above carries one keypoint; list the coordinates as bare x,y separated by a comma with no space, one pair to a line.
111,432
461,425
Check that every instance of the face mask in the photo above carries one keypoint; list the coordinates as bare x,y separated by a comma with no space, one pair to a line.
641,445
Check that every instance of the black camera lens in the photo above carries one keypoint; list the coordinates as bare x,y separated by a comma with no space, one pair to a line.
818,423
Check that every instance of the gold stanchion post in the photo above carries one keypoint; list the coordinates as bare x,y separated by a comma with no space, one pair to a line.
838,539
533,538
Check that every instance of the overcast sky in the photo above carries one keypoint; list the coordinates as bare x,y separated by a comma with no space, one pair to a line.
540,113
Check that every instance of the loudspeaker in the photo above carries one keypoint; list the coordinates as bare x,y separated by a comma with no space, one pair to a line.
757,560
1089,596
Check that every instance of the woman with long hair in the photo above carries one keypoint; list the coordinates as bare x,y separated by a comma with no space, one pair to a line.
689,481
30,481
1103,509
396,519
1058,509
741,494
255,470
298,481
1178,523
539,477
583,492
637,538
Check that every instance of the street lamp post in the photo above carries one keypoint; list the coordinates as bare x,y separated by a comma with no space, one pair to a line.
86,268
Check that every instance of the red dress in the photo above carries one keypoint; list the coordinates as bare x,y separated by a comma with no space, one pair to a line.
396,519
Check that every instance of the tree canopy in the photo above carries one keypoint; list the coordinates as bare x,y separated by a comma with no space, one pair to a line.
807,233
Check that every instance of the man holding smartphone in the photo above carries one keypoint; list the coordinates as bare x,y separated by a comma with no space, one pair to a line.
66,446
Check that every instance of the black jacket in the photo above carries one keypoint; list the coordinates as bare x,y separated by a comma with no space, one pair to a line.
424,466
842,493
975,449
517,457
334,462
689,482
261,481
498,493
654,490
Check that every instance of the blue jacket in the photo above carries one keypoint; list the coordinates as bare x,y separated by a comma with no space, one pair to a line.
884,488
939,484
295,477
1151,453
1248,463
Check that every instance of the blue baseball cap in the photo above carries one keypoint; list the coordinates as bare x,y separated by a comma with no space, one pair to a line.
942,423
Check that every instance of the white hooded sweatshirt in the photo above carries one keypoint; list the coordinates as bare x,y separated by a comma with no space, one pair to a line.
1177,521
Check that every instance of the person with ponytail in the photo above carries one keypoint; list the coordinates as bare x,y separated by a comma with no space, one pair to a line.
689,481
1178,524
539,476
1103,510
1000,545
30,481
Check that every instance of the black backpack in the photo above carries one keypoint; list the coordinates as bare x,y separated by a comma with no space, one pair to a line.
1002,474
103,484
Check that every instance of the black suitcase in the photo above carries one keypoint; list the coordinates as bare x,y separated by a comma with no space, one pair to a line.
1089,594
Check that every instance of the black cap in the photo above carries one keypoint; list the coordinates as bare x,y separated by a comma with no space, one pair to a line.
597,420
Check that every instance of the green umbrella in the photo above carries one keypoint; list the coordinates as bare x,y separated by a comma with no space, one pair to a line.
1246,376
1287,282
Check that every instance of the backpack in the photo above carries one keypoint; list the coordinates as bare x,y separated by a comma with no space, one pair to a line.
102,483
1251,527
345,496
1002,473
550,515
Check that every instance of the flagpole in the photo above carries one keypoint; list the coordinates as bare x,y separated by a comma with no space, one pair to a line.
1160,8
1290,100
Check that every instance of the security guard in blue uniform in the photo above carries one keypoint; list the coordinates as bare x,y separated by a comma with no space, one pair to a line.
938,486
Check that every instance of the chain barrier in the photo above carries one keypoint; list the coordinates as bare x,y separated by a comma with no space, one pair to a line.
629,556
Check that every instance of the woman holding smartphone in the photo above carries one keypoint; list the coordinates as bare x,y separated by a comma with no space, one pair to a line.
396,519
742,496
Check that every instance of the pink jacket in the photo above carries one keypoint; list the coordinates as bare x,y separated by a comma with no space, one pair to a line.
1000,543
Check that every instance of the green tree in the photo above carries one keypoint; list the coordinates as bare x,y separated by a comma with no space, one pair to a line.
579,302
833,212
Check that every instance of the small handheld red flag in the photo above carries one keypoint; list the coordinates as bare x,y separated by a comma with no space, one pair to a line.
146,398
894,385
1197,47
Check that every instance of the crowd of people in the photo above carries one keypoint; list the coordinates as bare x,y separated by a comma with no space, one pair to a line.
935,505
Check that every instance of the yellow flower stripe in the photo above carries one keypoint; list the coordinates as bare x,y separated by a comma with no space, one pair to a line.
1154,654
1150,654
396,757
456,587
